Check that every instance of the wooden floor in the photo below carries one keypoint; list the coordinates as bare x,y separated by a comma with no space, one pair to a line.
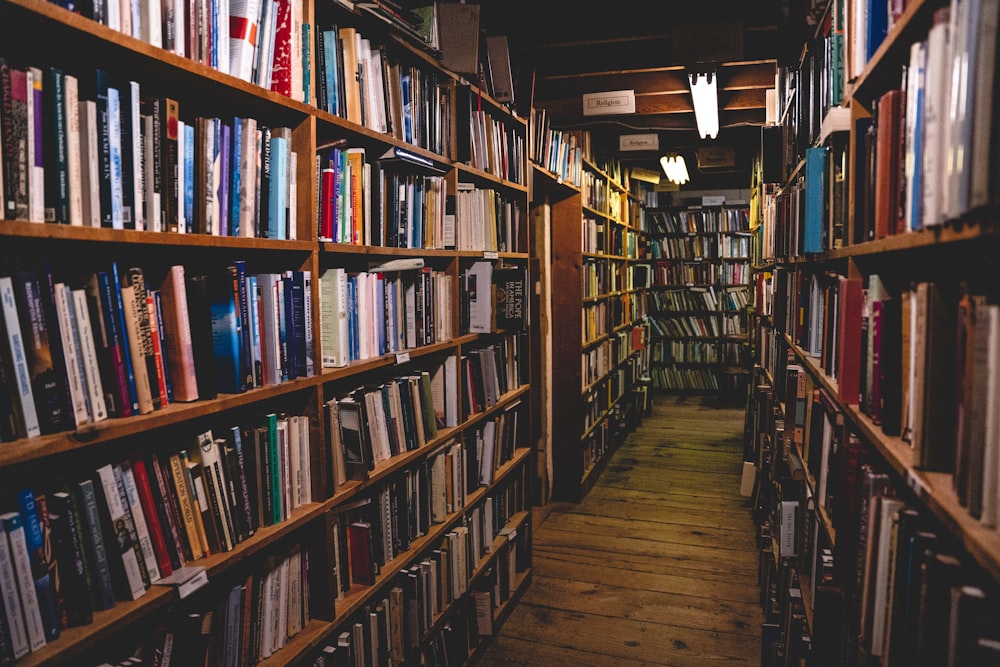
657,566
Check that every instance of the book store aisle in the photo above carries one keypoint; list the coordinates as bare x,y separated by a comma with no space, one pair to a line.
657,565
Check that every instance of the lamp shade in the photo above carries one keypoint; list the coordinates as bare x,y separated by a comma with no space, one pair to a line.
705,96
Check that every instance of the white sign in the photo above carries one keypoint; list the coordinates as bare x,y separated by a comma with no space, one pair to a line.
639,142
610,103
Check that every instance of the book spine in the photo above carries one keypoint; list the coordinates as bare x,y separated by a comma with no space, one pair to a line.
74,372
241,482
186,506
102,305
127,350
11,601
165,498
142,524
169,117
157,536
155,343
57,189
88,354
104,597
13,526
115,157
35,145
132,575
136,350
24,394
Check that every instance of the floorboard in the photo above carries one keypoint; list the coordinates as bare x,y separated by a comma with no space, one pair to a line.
656,566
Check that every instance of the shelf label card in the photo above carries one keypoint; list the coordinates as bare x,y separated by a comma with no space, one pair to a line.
491,254
916,484
402,357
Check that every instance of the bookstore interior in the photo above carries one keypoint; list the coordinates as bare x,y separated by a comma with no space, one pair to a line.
310,308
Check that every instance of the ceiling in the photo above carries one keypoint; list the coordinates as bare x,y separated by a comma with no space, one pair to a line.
563,49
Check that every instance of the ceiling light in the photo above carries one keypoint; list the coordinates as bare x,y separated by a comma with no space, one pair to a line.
704,93
675,169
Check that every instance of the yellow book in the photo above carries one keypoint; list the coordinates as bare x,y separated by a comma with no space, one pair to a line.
188,512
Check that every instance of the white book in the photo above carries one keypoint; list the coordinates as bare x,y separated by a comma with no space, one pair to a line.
208,457
135,159
124,15
295,462
36,169
115,143
305,460
113,16
73,155
12,524
333,317
88,350
935,117
24,395
180,41
887,515
244,14
286,477
75,331
12,599
296,60
479,286
293,187
281,635
151,198
222,38
77,392
964,66
89,164
267,620
152,22
117,513
136,10
139,520
248,184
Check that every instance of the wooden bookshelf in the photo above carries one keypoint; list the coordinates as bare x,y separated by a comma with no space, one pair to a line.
44,463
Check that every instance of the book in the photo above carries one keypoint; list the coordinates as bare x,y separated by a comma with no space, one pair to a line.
24,402
37,539
15,623
135,314
103,594
125,558
13,526
75,574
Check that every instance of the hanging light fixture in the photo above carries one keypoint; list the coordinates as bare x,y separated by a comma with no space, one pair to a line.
675,168
705,95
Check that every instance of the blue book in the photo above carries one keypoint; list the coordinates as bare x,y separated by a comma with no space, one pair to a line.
352,318
404,84
239,275
292,319
119,315
225,333
127,106
878,25
253,294
115,149
161,333
282,294
188,167
235,180
43,565
332,87
916,189
812,237
278,189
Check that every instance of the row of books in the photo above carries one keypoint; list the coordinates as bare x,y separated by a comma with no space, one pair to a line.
595,191
123,160
243,624
264,42
135,521
681,298
690,326
370,313
599,360
685,247
674,272
700,220
382,526
487,219
684,351
555,150
595,321
395,627
674,378
366,83
891,587
495,146
117,347
603,277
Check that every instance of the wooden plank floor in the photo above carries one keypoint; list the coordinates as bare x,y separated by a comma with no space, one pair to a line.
657,565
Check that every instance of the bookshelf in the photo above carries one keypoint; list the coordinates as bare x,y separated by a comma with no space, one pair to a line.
597,253
698,299
457,155
871,322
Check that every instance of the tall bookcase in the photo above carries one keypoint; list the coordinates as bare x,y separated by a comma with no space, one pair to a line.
599,357
477,544
868,426
700,258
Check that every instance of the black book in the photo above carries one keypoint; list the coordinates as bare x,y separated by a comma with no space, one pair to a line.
104,146
264,188
127,109
358,459
236,470
54,146
200,317
103,590
74,580
890,367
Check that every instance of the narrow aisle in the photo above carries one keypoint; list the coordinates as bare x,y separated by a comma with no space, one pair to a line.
658,564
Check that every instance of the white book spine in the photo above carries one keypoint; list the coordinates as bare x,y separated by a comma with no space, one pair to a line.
130,562
88,353
14,527
12,599
152,22
24,392
295,463
151,208
115,143
180,30
138,175
36,170
89,161
73,155
248,182
182,184
124,10
77,392
141,529
305,457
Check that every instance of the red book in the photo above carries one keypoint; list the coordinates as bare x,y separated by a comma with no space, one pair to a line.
359,537
177,336
281,70
849,355
154,332
886,164
149,509
326,227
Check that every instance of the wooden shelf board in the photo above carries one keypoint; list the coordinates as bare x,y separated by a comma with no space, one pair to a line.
551,179
364,365
488,177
